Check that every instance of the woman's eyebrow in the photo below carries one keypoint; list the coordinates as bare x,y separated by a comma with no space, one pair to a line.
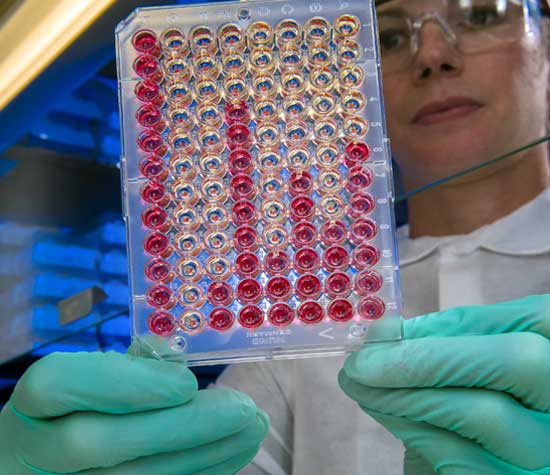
392,12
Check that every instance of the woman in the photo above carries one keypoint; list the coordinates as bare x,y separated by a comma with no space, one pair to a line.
451,103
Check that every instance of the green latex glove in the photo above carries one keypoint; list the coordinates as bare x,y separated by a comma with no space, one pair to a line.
114,414
467,390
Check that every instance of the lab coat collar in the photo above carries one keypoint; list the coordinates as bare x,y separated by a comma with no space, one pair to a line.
524,232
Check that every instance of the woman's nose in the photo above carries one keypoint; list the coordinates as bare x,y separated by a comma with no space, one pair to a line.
436,54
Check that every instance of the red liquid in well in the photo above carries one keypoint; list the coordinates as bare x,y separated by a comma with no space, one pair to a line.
251,316
242,187
153,192
153,167
246,239
336,258
333,232
155,219
160,296
244,212
277,262
240,161
338,285
304,234
300,183
161,323
368,282
278,289
371,308
308,286
306,260
220,294
151,141
221,319
144,41
238,136
357,152
310,312
365,256
158,270
280,314
302,208
249,291
156,244
340,310
362,230
247,265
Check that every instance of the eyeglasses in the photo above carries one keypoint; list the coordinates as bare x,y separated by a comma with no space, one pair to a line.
472,26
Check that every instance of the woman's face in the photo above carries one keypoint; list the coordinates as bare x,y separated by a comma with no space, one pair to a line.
489,103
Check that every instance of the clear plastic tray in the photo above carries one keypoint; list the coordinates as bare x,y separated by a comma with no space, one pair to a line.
257,180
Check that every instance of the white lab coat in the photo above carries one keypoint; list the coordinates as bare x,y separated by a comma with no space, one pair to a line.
316,429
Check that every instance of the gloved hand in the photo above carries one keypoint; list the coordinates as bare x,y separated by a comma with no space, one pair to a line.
114,414
467,390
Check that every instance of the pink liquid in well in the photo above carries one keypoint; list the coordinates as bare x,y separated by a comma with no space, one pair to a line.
359,178
148,91
146,66
148,115
361,204
150,141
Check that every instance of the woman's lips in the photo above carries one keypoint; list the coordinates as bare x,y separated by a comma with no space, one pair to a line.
450,109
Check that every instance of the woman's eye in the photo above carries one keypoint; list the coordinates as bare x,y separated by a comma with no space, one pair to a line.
482,17
392,40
